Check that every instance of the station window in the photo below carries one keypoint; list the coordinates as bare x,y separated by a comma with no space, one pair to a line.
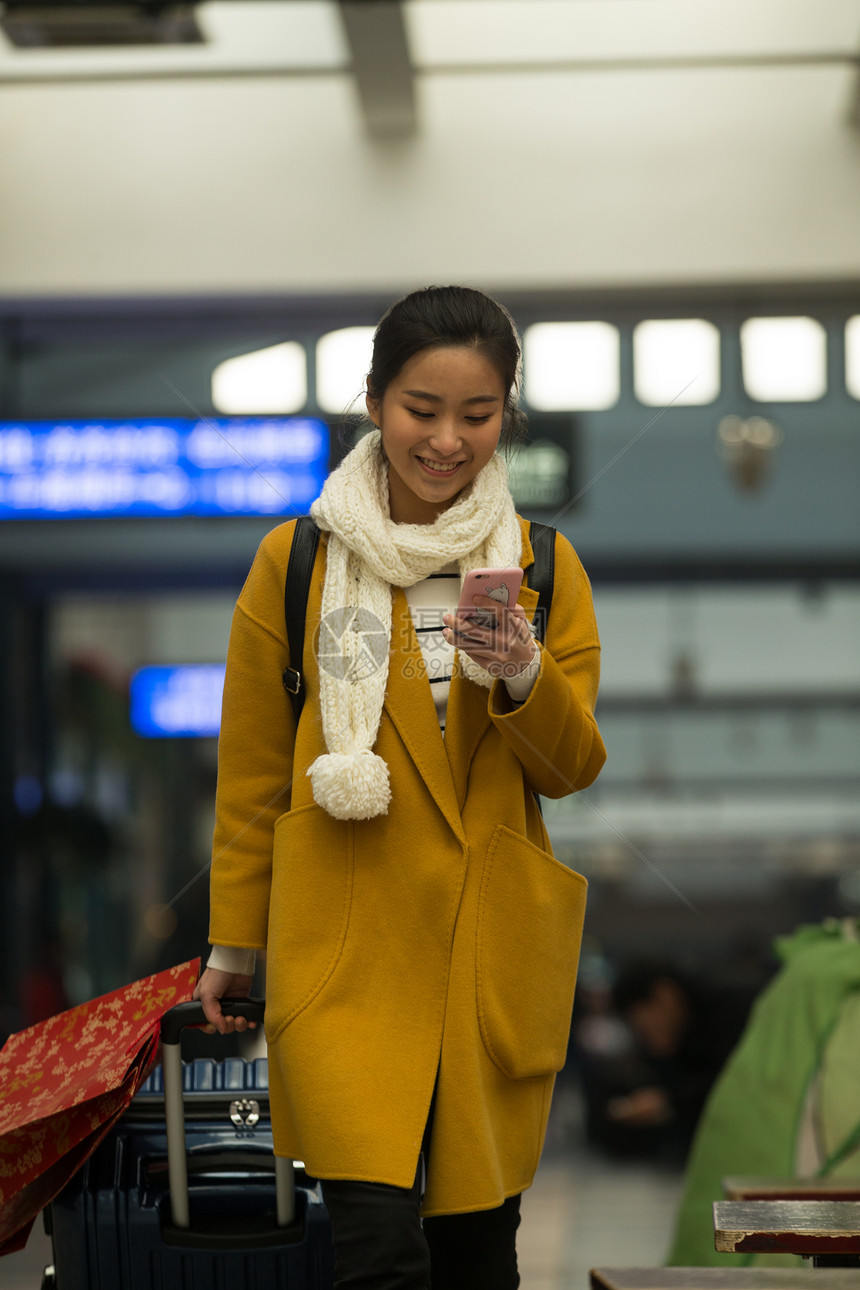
784,359
571,366
852,356
274,379
676,361
343,361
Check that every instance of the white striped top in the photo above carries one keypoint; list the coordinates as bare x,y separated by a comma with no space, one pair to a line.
428,600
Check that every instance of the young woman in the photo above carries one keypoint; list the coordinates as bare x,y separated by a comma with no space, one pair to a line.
388,851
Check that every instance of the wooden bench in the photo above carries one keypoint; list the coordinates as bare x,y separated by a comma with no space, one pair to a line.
725,1279
791,1188
824,1229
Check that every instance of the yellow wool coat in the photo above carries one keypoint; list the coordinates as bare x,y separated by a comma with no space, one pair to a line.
432,947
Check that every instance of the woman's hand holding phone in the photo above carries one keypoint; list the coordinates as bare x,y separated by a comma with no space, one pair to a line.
492,629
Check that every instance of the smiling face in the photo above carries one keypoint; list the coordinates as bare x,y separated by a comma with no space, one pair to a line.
440,419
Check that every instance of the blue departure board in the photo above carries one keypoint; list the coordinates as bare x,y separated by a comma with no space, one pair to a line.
180,702
161,466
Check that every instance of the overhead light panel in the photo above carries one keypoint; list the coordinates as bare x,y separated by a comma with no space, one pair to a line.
676,361
34,25
784,359
852,356
273,379
343,361
571,366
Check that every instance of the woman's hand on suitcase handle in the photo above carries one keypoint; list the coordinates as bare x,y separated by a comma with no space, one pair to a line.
214,986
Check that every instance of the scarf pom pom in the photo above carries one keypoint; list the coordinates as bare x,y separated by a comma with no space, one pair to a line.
351,786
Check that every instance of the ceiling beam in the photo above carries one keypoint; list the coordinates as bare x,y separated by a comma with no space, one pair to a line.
376,34
854,101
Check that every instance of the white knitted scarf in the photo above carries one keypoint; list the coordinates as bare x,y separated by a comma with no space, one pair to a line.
368,554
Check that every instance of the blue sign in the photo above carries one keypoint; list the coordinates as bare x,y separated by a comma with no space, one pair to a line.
174,466
181,702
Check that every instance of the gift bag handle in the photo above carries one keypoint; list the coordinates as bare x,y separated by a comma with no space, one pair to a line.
172,1025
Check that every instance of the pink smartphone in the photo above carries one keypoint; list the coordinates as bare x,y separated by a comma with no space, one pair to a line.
502,585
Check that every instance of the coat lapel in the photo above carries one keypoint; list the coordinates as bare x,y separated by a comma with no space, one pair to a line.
444,765
412,710
468,718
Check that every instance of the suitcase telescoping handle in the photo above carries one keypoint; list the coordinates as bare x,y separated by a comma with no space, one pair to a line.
172,1025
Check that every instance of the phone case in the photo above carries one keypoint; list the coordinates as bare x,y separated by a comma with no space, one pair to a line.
502,585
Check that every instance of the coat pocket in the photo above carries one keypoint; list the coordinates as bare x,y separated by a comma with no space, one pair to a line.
309,910
529,932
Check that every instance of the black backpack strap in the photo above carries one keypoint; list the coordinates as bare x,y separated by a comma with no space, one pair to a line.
300,569
542,573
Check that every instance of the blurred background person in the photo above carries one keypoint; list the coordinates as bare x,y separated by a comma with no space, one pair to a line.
683,1029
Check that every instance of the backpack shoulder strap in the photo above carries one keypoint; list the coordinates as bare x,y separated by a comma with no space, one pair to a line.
300,569
542,572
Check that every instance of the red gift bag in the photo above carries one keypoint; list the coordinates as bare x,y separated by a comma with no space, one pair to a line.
64,1083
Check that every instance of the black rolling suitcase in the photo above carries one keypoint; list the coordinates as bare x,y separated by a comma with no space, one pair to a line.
192,1198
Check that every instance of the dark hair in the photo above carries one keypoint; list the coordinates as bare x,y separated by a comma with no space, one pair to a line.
435,317
635,981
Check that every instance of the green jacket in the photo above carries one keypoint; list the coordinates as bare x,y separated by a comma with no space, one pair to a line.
798,1029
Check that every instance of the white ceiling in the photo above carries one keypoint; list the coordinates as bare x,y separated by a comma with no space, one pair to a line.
450,32
302,37
528,144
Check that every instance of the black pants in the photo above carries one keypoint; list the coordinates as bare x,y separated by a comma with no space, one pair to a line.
380,1243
